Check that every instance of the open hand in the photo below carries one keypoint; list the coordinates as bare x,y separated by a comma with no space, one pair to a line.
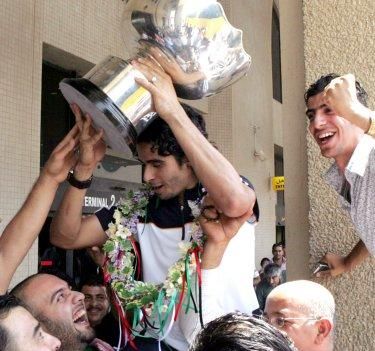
160,86
91,145
170,66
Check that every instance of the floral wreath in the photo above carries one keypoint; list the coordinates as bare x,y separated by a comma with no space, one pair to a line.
160,302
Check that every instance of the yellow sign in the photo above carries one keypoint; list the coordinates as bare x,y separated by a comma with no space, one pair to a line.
278,183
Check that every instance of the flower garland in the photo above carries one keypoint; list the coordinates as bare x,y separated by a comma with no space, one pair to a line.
158,301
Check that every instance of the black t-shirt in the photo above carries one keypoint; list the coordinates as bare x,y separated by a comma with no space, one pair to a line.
168,213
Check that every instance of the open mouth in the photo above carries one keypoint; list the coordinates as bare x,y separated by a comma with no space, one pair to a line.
324,138
80,318
157,188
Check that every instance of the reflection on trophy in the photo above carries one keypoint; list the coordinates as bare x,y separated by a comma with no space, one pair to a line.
203,52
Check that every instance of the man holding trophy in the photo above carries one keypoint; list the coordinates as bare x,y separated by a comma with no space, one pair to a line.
196,202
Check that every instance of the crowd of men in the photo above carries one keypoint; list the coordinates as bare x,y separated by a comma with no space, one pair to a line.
180,164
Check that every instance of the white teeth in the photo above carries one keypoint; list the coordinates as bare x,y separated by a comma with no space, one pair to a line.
79,315
325,135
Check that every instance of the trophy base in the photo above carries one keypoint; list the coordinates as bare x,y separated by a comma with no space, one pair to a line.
119,133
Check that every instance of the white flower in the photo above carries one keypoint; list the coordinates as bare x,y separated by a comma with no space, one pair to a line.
195,208
121,260
111,231
184,247
169,288
164,308
123,232
196,232
117,216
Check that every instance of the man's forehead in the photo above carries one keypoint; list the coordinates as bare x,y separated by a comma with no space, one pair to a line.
147,152
45,285
282,304
316,101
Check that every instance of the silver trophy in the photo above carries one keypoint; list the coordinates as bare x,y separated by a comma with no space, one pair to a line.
204,54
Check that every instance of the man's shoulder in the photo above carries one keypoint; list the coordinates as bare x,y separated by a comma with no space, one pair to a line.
363,156
262,286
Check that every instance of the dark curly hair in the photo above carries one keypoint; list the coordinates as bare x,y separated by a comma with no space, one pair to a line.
240,332
160,136
318,86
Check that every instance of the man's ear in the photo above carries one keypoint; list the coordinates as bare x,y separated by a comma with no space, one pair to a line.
324,329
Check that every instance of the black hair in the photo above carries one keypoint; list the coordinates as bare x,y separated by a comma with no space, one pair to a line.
93,280
263,260
274,246
319,86
7,303
271,270
160,136
19,289
241,332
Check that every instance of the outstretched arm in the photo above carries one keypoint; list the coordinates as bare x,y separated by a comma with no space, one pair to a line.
22,230
339,264
68,229
340,95
214,171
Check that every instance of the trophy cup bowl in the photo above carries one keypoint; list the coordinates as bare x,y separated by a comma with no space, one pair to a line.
205,55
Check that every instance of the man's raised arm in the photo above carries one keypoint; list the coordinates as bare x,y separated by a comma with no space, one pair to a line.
23,229
68,229
215,172
341,95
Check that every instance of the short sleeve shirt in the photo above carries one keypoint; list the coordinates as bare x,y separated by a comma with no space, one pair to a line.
360,174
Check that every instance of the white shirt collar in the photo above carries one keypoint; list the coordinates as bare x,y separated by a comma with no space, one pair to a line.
358,162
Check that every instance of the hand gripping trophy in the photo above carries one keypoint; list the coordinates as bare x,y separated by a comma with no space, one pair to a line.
204,54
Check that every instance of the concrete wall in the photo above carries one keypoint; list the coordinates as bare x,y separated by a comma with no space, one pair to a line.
247,107
339,37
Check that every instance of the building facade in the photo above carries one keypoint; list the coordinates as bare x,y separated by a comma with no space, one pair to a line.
258,123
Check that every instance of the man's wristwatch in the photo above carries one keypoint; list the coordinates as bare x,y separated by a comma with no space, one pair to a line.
371,130
78,183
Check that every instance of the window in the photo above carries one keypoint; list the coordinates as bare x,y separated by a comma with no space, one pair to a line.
56,116
276,57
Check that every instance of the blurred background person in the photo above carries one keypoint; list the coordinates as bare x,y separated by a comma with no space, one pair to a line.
278,252
271,279
98,309
263,263
256,279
